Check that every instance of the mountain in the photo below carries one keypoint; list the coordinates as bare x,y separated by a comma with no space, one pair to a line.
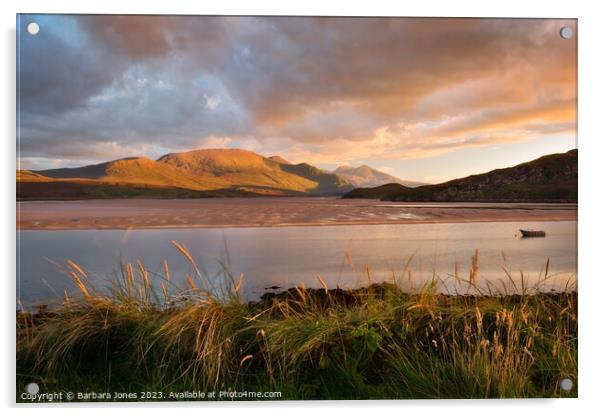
137,170
280,160
27,175
328,183
551,178
198,173
219,162
366,177
245,168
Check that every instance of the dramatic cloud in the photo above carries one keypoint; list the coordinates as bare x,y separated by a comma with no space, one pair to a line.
322,90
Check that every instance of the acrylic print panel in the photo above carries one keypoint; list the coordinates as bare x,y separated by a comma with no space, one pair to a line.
285,208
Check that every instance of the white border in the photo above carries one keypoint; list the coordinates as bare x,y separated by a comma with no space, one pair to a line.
590,134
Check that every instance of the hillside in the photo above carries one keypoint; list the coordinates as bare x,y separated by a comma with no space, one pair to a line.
66,189
367,177
248,169
328,183
198,173
138,170
551,178
218,162
27,175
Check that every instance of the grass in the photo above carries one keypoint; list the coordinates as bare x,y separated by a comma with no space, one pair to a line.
145,334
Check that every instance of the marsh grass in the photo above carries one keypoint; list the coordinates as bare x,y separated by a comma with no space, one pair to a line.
380,342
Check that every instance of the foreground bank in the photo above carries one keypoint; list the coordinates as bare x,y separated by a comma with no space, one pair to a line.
372,343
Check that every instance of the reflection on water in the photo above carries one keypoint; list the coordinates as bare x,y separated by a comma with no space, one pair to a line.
290,256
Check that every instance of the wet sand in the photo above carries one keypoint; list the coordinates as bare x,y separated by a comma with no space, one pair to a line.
269,212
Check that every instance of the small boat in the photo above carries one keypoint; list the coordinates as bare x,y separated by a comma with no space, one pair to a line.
533,233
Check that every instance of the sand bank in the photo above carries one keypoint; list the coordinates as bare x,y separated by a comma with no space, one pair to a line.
269,212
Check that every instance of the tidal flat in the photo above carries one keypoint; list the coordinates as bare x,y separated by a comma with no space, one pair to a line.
270,212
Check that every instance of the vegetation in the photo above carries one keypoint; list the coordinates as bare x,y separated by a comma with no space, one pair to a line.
551,178
81,189
144,334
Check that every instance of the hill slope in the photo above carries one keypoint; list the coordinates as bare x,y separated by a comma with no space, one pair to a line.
551,178
328,183
248,169
27,175
367,177
137,170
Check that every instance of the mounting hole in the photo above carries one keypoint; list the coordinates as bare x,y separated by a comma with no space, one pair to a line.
32,388
33,28
566,384
566,32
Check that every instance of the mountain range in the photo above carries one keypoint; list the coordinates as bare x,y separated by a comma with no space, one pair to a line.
551,178
238,172
197,173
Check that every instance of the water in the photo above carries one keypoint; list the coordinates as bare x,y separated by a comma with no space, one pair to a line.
289,256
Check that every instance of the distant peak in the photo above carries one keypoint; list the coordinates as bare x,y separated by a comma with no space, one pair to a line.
343,167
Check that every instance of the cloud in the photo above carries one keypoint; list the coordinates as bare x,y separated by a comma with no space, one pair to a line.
322,89
55,75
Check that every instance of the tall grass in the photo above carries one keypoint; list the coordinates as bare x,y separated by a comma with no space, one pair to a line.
379,342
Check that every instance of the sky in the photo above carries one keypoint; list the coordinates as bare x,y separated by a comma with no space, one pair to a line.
422,99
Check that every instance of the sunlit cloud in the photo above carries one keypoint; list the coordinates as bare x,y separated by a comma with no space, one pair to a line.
317,90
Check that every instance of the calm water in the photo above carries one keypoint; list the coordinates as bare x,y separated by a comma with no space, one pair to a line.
289,256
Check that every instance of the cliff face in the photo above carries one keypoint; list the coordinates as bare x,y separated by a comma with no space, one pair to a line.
551,178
